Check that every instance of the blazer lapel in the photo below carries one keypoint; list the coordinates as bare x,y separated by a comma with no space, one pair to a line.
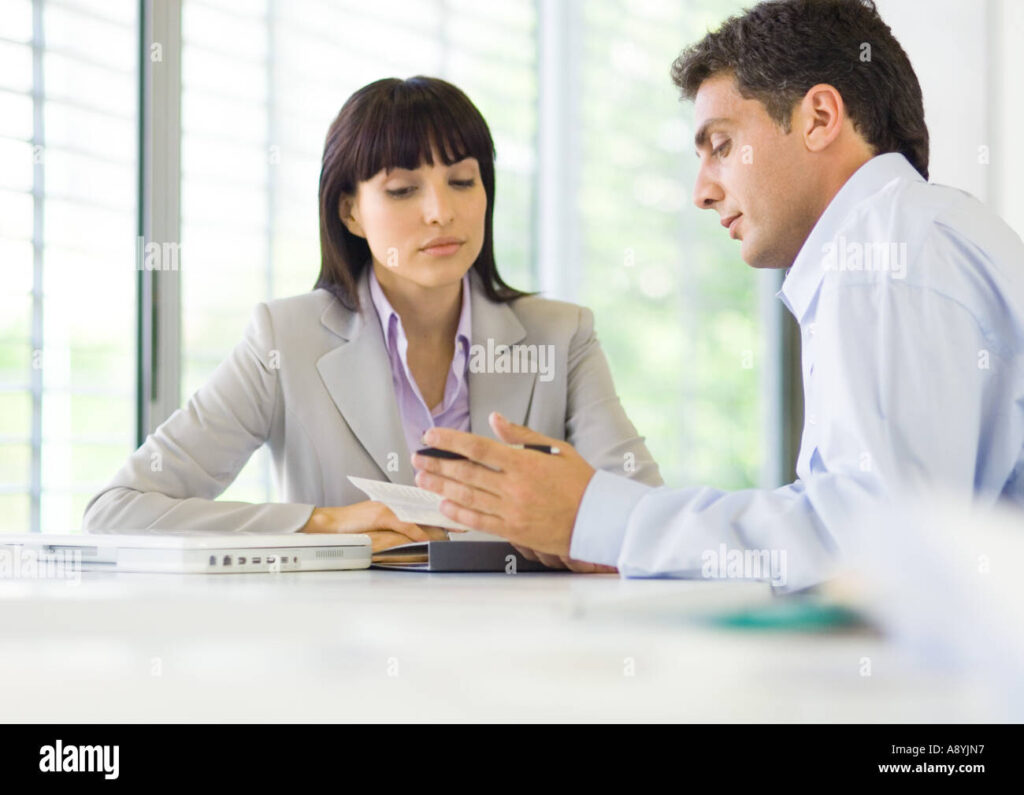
494,325
357,375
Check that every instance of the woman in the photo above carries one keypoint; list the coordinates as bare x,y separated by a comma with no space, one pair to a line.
409,325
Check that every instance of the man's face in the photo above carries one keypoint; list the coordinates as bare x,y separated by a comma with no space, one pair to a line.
752,171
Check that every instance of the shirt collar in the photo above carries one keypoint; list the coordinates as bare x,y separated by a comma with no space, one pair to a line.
385,312
804,276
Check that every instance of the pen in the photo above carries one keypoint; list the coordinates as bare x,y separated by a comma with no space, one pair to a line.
434,452
540,448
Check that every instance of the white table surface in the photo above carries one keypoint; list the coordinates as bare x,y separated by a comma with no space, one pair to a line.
383,646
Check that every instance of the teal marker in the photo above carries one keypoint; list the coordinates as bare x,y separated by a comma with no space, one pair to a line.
789,614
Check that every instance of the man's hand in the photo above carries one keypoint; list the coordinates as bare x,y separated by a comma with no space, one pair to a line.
528,497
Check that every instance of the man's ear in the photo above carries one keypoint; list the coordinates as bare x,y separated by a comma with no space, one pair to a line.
348,211
822,114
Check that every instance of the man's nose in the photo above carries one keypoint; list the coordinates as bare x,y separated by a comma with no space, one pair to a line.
706,192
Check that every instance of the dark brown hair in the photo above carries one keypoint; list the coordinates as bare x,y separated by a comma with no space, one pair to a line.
778,50
389,124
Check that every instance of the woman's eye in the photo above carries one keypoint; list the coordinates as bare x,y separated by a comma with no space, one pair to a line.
464,183
400,192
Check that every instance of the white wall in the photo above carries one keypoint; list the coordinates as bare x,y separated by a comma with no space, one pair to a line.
947,43
1008,111
969,58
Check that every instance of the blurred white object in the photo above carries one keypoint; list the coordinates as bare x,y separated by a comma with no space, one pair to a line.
943,580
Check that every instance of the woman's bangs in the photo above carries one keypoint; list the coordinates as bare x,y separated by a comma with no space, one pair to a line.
406,137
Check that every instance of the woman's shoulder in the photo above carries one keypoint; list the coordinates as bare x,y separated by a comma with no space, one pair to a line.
303,304
298,316
305,309
548,315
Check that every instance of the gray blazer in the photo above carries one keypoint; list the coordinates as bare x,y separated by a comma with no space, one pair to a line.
312,379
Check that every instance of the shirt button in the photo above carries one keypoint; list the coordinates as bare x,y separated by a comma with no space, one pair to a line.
811,420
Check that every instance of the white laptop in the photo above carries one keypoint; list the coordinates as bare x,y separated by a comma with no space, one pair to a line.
186,552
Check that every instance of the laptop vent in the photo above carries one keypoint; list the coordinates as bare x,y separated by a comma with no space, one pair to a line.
329,553
70,548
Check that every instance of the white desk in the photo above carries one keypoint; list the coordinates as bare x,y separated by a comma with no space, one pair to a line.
384,646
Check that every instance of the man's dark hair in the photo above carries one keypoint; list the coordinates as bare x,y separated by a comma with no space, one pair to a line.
779,49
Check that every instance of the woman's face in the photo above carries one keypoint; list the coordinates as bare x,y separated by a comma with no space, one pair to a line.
425,225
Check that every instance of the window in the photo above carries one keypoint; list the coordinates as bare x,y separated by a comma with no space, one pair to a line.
594,178
68,142
675,307
677,311
255,111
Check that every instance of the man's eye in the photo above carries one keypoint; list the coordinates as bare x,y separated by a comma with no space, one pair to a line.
400,192
720,151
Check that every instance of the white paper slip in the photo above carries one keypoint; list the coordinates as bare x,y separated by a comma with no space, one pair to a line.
408,503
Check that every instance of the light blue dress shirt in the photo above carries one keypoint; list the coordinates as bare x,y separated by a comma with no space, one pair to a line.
910,300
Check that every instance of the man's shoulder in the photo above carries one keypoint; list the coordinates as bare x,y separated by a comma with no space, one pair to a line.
925,209
930,228
927,238
960,240
904,210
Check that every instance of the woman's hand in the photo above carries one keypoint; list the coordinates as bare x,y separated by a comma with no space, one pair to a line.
373,519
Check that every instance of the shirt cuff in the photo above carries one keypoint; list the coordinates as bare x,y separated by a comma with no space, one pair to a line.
604,513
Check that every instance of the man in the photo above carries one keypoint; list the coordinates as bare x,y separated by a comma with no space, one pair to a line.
910,298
